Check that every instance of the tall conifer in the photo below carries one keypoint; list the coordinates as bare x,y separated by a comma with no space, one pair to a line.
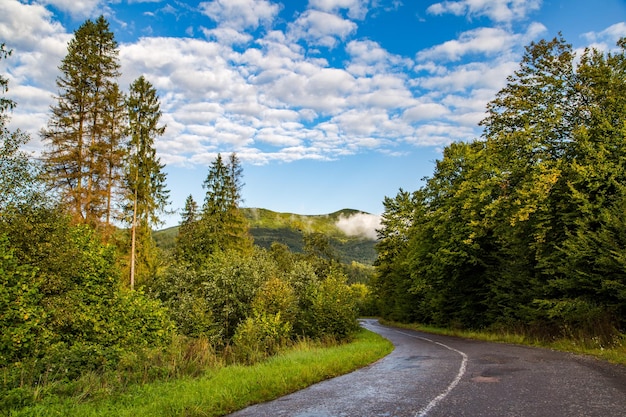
75,156
224,225
147,195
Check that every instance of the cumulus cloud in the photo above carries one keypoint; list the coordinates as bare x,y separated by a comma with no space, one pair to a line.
488,41
271,94
484,41
321,28
359,224
496,10
606,40
369,58
78,8
240,14
357,9
269,100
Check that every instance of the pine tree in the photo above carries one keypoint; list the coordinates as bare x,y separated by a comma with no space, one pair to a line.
223,224
187,239
147,195
74,158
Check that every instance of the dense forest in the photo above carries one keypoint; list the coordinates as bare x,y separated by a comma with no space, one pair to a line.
85,290
523,229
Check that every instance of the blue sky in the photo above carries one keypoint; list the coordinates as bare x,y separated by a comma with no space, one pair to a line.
329,104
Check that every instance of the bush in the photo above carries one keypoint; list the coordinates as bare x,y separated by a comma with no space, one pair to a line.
332,311
62,311
260,336
230,283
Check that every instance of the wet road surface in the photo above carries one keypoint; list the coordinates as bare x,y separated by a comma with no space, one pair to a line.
436,376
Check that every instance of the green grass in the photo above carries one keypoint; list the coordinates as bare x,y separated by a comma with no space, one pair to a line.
614,353
224,390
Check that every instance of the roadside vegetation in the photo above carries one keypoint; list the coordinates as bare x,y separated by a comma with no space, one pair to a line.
220,389
522,232
613,352
93,312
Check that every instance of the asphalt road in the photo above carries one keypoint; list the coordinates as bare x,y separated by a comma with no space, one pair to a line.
438,376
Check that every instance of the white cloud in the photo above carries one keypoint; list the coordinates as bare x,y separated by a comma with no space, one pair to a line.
275,98
267,102
475,75
359,224
357,9
424,111
606,40
227,36
369,58
442,133
321,28
240,14
488,41
78,8
496,10
24,26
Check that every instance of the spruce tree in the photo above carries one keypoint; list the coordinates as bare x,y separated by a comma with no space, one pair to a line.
147,195
75,157
223,224
187,239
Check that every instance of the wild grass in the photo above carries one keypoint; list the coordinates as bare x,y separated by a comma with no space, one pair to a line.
613,351
221,389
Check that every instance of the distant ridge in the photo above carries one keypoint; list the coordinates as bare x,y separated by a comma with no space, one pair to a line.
267,227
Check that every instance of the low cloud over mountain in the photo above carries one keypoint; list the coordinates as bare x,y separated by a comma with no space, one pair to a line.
359,224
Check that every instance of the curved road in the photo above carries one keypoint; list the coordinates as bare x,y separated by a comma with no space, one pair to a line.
437,376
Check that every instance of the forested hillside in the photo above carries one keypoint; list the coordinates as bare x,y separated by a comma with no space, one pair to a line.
268,227
524,228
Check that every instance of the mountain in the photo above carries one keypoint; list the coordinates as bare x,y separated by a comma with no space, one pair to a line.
352,243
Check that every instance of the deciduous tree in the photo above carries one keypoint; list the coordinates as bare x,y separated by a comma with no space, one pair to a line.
18,173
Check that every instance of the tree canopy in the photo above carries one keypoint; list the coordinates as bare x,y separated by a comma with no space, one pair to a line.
522,227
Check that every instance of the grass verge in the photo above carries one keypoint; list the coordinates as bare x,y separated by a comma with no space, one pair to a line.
227,389
615,353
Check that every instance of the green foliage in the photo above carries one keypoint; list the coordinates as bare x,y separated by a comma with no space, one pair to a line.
181,290
230,284
220,226
390,283
525,227
145,179
64,312
260,336
332,308
22,314
18,173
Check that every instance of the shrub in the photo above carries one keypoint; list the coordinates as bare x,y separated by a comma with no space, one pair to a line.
260,336
332,311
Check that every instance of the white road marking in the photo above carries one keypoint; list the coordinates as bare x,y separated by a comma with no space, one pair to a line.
424,411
